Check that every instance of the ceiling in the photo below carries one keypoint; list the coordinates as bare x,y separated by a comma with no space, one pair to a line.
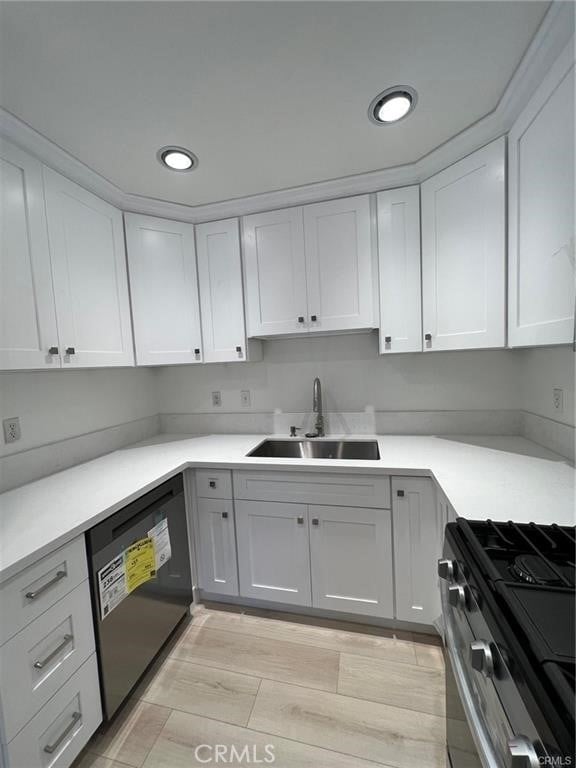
269,95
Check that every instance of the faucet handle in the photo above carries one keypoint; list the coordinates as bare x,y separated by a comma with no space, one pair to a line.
294,430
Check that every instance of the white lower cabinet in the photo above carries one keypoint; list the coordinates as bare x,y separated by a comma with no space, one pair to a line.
217,565
418,533
57,734
273,551
351,560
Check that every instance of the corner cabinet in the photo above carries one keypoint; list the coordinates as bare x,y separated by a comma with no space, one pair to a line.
221,294
164,287
542,269
464,253
90,279
217,546
310,269
28,331
419,522
399,270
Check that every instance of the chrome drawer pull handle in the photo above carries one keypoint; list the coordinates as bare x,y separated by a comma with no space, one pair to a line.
59,576
50,748
55,652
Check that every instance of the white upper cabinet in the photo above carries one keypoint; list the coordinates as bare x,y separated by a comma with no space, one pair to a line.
399,270
541,214
90,278
464,253
339,268
221,293
28,319
164,288
275,273
310,269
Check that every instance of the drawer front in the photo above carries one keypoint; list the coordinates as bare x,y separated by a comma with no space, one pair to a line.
57,734
32,591
314,488
40,658
214,483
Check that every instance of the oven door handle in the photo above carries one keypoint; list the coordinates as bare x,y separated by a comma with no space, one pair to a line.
484,745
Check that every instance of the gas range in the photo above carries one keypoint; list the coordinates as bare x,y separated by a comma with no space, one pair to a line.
508,593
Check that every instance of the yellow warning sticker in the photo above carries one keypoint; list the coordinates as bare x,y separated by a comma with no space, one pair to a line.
140,563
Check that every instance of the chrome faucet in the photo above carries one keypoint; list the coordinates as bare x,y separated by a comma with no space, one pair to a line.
317,408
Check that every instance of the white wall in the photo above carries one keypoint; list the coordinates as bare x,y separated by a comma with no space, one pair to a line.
55,405
353,376
541,370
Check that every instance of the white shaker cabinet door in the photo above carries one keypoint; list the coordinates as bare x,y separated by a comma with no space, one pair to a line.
464,253
399,270
273,551
90,276
28,332
164,289
542,267
221,293
275,273
340,264
351,560
216,546
418,532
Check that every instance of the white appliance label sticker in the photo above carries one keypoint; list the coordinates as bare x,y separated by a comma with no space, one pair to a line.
112,585
161,538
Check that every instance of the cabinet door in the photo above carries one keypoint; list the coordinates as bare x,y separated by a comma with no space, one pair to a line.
339,262
463,253
275,273
399,270
28,319
221,297
164,287
216,547
351,560
541,210
418,535
273,551
90,277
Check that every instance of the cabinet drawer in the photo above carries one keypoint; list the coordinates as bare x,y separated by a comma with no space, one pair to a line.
32,591
40,658
214,483
56,735
314,488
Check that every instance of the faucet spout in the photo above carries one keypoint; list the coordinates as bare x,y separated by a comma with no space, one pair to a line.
318,410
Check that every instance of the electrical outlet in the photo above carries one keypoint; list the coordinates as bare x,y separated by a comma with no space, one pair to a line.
11,429
558,399
216,399
245,398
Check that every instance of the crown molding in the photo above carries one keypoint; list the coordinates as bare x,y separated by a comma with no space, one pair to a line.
553,37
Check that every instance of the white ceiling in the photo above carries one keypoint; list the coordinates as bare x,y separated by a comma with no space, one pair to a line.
269,95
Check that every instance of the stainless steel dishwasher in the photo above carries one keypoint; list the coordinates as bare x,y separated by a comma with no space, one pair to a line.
132,626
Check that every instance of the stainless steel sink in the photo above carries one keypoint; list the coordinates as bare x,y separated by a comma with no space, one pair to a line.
318,449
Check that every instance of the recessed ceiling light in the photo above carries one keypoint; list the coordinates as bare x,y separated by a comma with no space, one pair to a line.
177,159
392,105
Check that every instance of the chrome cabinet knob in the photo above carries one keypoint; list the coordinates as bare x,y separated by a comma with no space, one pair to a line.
457,596
481,657
521,753
446,569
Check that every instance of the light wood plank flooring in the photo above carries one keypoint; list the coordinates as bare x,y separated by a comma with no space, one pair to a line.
311,693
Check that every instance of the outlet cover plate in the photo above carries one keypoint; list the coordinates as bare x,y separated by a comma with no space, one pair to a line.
558,399
216,399
11,428
245,398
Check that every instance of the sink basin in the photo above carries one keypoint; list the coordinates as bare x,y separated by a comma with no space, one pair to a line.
318,449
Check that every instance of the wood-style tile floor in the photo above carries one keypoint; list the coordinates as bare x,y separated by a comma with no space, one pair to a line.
324,694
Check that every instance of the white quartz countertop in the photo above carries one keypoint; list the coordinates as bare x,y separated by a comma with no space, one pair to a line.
502,478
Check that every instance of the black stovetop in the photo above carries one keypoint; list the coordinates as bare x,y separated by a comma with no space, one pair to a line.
530,570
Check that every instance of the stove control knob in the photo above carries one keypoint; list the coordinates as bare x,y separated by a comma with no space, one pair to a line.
481,658
457,596
521,753
446,569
